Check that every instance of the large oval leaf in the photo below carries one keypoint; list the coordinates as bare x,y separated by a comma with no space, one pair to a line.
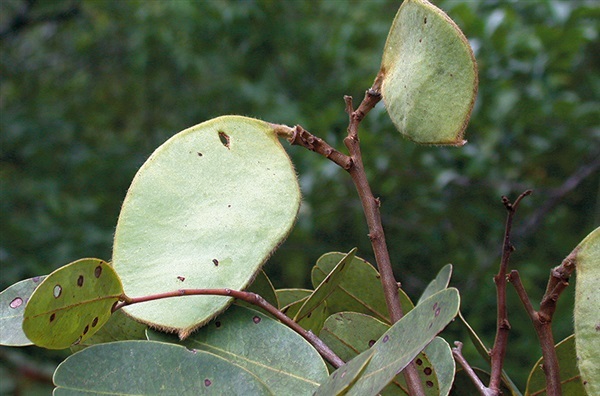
205,211
429,75
13,300
152,368
281,358
587,311
71,304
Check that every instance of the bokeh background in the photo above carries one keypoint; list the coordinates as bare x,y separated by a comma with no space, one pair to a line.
90,88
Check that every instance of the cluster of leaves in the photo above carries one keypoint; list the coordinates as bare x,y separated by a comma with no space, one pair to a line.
89,143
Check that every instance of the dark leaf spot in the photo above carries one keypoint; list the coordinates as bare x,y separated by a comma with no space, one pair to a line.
371,343
16,303
437,311
95,322
80,281
98,271
429,384
36,279
425,20
224,139
427,370
256,319
386,338
181,278
217,324
199,154
86,329
420,40
57,291
216,262
419,362
309,315
207,382
52,317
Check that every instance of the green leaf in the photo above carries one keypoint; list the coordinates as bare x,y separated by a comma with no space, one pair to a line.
440,282
12,305
359,291
439,354
428,74
350,333
405,339
152,368
71,304
587,308
268,349
570,379
206,210
290,296
262,286
313,321
326,287
345,376
119,327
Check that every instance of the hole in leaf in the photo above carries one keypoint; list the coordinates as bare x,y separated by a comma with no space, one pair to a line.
98,271
224,139
429,384
16,303
386,338
428,371
57,291
256,319
80,281
95,322
52,317
207,382
216,262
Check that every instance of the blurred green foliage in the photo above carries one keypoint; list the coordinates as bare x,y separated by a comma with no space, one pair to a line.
90,88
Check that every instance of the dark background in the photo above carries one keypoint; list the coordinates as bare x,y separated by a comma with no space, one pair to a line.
90,88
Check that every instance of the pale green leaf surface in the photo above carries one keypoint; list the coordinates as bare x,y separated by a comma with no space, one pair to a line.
282,359
405,339
587,311
440,356
359,291
152,368
12,305
570,379
71,304
326,287
342,378
429,75
209,206
440,282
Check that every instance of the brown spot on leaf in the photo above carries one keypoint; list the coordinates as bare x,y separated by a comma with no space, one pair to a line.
215,262
217,324
371,343
386,338
95,322
80,281
207,382
429,384
256,319
428,371
86,329
419,362
98,271
224,139
52,317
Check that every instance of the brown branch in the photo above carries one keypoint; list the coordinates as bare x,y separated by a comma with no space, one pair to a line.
498,351
458,356
542,319
251,298
301,137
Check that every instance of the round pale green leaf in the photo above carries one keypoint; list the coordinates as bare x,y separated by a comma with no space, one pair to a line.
12,305
152,368
428,75
587,311
282,359
440,356
405,339
359,291
440,282
71,304
205,211
570,379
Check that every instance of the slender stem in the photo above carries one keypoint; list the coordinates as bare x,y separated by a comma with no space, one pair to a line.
458,356
498,351
251,298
